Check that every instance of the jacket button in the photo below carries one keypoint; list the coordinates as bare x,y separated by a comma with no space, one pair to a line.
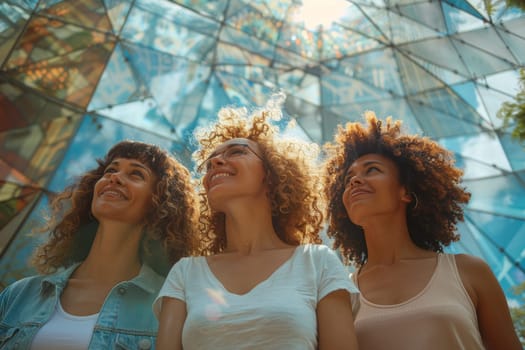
122,291
144,344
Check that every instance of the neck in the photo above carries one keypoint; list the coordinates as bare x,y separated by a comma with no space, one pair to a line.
388,241
114,254
249,229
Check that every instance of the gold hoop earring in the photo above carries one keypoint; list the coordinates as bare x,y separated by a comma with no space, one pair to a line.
415,200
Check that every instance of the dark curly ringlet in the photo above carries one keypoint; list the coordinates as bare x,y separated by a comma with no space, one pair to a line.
292,175
171,224
426,169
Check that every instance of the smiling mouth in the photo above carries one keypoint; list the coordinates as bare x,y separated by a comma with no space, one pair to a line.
358,193
113,193
219,175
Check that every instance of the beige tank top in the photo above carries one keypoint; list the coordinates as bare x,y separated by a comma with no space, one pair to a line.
441,316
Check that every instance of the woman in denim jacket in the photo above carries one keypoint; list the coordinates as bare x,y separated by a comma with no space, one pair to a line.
98,266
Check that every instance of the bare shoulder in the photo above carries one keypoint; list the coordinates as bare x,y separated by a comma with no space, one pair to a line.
471,264
476,275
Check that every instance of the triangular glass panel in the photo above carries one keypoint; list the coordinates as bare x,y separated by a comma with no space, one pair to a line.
302,42
444,74
12,23
160,29
466,92
502,196
473,168
440,52
21,107
71,77
142,115
307,115
459,20
250,44
481,63
493,100
466,6
340,42
416,78
36,150
85,13
242,92
117,12
515,44
45,40
439,124
381,70
487,40
448,102
484,148
515,151
428,14
215,9
13,262
118,84
255,22
339,89
505,82
362,21
516,26
506,232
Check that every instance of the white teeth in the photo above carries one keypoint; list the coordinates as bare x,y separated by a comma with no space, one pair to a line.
113,193
219,175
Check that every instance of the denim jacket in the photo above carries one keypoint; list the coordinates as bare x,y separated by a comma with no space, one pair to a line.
125,321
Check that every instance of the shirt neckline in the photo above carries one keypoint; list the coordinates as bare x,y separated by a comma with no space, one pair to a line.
288,261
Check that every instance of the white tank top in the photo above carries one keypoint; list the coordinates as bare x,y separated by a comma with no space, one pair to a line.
64,331
441,316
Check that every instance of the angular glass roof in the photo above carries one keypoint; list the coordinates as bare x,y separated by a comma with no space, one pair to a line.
77,76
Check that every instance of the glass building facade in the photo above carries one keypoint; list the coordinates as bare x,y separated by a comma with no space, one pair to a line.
77,76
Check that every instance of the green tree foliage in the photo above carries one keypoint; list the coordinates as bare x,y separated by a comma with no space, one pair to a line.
518,313
516,3
513,113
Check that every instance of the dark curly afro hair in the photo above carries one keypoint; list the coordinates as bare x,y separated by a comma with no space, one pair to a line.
426,169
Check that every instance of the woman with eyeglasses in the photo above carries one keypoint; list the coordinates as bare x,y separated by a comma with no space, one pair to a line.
395,200
264,283
113,236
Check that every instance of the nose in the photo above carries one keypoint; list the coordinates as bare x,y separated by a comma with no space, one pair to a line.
355,180
217,159
115,177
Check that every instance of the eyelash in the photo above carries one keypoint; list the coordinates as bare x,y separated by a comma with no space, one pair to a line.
134,172
348,177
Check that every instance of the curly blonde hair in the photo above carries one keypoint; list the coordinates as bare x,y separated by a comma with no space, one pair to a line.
171,223
295,189
426,170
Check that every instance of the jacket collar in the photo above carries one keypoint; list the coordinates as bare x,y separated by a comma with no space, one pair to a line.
147,279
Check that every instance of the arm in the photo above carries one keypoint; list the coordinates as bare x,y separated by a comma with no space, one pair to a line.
171,321
494,320
335,323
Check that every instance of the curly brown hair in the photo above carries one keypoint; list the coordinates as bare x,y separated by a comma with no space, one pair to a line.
295,189
171,223
426,170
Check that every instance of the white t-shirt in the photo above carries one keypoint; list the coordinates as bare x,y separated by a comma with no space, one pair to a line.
64,331
278,313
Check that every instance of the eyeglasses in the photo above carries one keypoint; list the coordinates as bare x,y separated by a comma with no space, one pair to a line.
233,150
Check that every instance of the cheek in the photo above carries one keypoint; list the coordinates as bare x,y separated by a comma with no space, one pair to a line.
204,183
346,197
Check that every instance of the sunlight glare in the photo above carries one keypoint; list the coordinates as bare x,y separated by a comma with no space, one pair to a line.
316,13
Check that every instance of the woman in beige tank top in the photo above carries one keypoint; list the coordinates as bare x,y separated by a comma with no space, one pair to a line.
395,201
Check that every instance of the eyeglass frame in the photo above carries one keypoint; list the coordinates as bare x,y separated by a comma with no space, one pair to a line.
202,166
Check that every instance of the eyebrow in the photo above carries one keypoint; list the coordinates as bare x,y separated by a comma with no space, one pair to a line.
217,151
133,164
365,164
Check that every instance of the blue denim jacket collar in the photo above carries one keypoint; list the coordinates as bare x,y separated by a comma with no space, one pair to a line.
144,280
